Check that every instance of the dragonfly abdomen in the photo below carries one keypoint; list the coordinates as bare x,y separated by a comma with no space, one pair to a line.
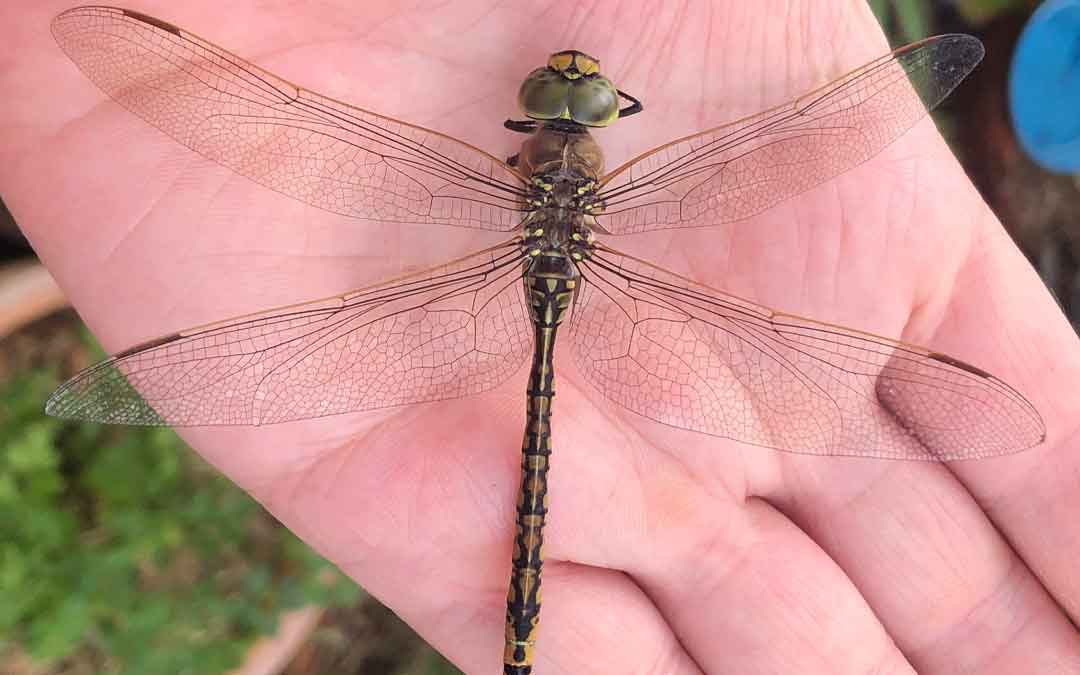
550,285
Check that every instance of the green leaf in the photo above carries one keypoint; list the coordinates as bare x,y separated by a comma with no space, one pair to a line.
58,635
32,449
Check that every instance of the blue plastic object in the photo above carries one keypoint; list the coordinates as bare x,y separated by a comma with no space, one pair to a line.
1044,86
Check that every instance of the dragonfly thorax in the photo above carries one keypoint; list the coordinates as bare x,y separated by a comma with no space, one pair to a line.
566,190
563,166
555,231
553,153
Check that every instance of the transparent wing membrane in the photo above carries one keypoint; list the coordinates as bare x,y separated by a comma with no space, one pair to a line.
695,358
452,331
320,151
660,345
741,169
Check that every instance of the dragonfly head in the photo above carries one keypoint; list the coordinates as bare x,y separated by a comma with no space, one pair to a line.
570,87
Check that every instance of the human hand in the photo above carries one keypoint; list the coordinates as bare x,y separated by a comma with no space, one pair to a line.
714,556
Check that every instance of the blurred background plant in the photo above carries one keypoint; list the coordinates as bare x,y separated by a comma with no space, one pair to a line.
904,20
910,20
122,552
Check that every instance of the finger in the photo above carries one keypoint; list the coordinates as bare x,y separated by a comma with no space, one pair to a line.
593,621
915,541
945,585
1003,317
428,532
596,620
742,588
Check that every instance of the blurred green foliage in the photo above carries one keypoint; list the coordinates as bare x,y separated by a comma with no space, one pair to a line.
978,12
120,549
910,20
904,20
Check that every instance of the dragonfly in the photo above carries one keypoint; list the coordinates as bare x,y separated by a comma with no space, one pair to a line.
651,341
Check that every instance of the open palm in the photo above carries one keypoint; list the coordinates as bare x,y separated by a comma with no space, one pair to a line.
668,551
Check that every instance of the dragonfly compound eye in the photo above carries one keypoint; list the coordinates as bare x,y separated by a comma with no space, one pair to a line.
594,102
570,88
544,95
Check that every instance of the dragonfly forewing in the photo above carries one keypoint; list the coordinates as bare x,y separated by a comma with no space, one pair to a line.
741,169
295,141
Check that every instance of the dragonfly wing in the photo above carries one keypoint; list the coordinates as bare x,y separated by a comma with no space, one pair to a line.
310,147
741,169
452,331
693,357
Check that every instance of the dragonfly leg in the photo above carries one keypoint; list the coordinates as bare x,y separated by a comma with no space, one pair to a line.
632,109
521,126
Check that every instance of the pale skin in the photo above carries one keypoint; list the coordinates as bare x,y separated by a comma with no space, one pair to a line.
667,551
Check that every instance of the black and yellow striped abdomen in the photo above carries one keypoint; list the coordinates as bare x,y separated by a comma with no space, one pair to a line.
549,285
